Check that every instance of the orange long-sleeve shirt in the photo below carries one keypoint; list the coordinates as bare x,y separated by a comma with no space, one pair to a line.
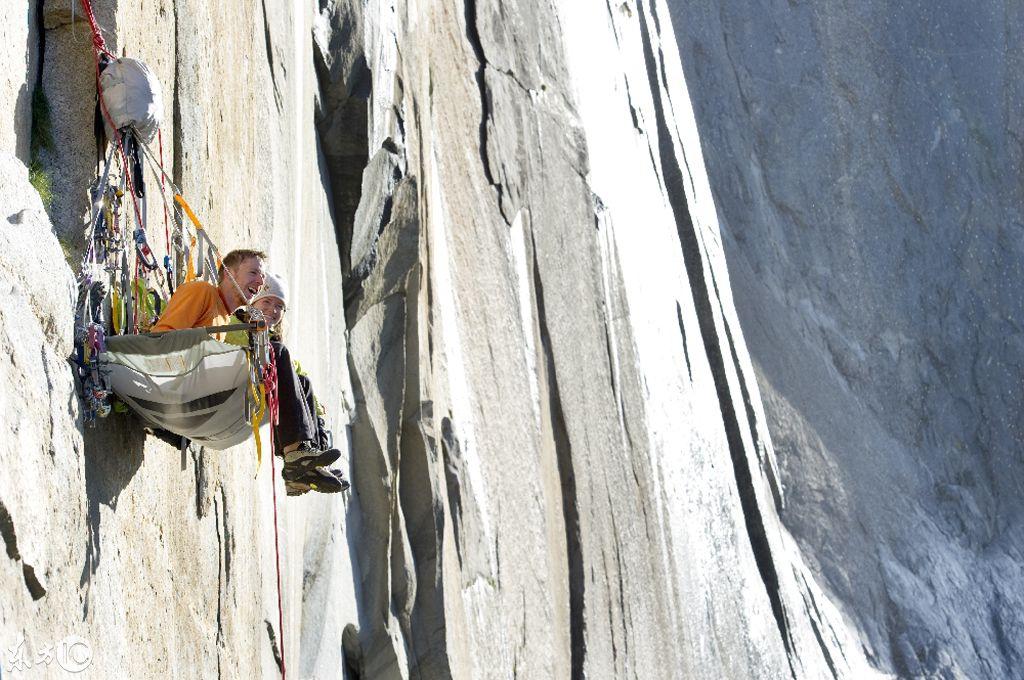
194,305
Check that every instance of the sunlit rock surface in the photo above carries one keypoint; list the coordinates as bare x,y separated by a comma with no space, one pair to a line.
510,289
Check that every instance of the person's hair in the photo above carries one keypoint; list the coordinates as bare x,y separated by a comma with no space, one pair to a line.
237,257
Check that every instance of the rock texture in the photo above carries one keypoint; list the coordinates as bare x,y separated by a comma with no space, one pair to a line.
561,461
19,65
163,561
866,163
512,295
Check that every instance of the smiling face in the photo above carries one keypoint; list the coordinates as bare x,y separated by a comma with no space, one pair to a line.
250,277
272,308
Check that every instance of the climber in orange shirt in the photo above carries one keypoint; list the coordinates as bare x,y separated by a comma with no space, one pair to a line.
198,304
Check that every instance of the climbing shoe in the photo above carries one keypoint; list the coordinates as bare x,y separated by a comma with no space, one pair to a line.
295,488
306,457
317,479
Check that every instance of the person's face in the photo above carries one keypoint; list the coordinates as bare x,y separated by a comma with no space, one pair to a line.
250,276
272,308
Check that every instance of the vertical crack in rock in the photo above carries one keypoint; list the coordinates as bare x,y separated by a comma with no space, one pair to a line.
10,538
690,244
220,576
682,332
473,35
570,509
451,458
37,86
202,502
273,646
748,406
51,420
270,56
177,156
814,616
623,607
418,498
229,539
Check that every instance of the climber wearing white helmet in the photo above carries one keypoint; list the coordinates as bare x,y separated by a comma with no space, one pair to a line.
300,425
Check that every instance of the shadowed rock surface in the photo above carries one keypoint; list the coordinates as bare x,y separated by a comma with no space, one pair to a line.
866,164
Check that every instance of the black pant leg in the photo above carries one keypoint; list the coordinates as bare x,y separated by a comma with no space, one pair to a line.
296,422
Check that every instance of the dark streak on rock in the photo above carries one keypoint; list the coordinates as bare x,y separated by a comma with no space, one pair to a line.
473,35
200,476
35,588
632,110
220,577
690,244
570,509
675,119
10,538
748,406
611,362
682,332
7,533
273,646
451,455
814,615
177,157
622,587
270,56
228,538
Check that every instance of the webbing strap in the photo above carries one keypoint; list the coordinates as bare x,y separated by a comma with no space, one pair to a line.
261,398
180,200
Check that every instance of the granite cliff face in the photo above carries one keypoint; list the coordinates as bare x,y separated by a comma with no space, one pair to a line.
515,304
866,164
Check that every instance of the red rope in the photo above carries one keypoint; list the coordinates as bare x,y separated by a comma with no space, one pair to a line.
98,44
270,382
270,385
277,564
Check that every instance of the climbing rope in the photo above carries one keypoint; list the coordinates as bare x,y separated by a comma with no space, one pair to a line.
98,44
277,564
268,388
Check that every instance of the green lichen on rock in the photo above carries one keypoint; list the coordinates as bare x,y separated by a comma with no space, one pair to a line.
41,139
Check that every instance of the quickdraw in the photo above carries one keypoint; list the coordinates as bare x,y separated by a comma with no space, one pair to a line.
95,393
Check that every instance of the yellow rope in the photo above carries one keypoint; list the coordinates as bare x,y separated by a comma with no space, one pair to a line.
180,200
116,311
190,273
260,397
